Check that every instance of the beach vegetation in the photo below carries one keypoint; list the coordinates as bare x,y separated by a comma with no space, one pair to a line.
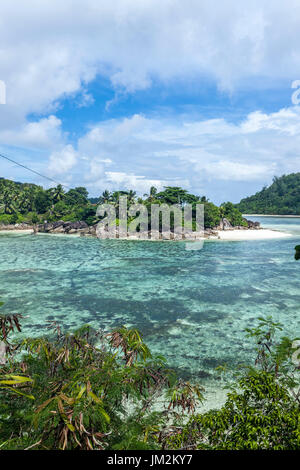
32,204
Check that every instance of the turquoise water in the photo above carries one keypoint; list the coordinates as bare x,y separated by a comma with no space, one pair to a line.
191,306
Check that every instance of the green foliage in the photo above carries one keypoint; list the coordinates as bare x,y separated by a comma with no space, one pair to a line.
212,215
32,204
14,218
42,201
76,197
174,195
34,219
87,214
262,410
185,395
5,219
8,380
260,415
85,390
90,390
281,197
231,213
60,209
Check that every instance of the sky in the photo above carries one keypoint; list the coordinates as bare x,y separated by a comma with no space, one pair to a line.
129,94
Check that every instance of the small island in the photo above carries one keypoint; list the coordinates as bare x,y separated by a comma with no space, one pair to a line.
31,208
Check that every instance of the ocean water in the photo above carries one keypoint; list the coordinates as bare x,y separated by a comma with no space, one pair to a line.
191,306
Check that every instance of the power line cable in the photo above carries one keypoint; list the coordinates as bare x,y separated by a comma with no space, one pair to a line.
33,171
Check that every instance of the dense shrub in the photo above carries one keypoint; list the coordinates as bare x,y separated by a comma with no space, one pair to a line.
86,390
262,410
90,390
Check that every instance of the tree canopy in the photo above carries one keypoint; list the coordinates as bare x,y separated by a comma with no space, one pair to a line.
281,197
24,202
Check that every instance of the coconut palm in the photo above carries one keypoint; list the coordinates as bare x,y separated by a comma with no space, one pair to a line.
105,198
26,200
131,196
10,199
57,193
152,193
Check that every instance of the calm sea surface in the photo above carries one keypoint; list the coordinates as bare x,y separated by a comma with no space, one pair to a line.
191,306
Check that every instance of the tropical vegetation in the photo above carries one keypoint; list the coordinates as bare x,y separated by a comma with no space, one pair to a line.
281,197
93,390
29,203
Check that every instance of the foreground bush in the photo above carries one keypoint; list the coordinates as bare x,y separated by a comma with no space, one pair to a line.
85,390
90,390
263,409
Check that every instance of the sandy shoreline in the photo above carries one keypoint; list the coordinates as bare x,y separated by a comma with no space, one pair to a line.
271,215
17,231
259,234
226,235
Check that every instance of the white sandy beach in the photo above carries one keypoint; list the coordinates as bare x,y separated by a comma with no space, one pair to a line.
226,235
259,234
16,232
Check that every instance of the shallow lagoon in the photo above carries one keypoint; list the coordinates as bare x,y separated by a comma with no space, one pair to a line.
191,306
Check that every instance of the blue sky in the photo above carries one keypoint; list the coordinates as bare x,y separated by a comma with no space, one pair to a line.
127,95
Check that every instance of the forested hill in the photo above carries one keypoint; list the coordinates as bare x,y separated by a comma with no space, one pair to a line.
281,197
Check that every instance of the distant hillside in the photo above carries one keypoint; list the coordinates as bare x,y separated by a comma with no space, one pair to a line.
5,182
94,200
281,197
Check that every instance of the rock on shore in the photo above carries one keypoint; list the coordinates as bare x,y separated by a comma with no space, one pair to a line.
61,226
226,225
82,228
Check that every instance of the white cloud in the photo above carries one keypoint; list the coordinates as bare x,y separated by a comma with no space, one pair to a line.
51,49
62,161
235,171
85,100
209,156
96,169
43,134
195,154
286,120
141,184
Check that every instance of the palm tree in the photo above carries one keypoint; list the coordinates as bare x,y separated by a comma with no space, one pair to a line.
57,193
26,200
116,196
10,199
105,197
131,196
152,193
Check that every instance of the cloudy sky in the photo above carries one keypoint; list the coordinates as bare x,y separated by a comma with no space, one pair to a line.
130,94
